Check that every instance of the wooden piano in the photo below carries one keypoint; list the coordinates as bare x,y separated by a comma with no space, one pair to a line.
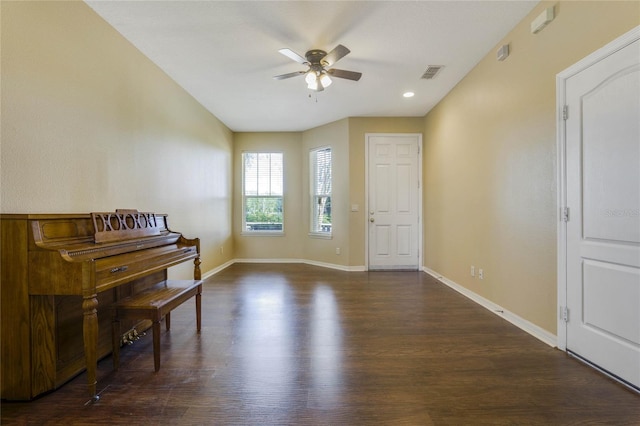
59,275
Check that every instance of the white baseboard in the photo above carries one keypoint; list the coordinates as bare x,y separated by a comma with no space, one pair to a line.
268,261
214,271
537,332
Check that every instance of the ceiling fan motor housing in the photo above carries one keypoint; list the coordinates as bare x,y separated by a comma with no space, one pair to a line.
314,56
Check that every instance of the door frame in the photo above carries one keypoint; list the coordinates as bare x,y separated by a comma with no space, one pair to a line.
561,78
366,195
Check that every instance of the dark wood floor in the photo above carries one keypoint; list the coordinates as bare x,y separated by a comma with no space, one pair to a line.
302,345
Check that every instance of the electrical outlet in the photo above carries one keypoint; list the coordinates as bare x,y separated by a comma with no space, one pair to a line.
473,271
221,249
481,274
337,250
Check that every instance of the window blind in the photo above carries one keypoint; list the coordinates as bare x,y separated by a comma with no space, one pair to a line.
321,191
263,174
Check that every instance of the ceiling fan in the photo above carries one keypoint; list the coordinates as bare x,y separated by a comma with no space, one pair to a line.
318,76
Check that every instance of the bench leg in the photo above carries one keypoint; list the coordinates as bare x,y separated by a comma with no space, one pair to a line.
198,311
156,345
167,320
115,342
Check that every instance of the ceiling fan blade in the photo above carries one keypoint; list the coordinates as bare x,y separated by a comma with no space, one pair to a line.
335,55
293,55
349,75
289,75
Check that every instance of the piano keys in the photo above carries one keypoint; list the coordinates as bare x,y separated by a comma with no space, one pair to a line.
59,275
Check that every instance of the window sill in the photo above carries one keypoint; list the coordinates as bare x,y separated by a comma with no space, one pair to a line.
320,235
262,234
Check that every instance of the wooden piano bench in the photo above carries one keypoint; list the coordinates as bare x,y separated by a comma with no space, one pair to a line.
154,304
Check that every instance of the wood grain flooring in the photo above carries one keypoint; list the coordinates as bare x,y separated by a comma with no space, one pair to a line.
303,345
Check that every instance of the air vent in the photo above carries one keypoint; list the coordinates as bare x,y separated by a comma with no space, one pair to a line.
432,71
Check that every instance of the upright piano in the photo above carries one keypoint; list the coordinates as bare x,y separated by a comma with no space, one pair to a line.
59,275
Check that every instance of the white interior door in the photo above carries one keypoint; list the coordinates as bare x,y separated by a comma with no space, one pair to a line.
603,226
393,201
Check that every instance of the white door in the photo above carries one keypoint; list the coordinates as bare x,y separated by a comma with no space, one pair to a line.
602,128
393,201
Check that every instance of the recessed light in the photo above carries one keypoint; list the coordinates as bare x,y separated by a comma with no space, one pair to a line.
408,94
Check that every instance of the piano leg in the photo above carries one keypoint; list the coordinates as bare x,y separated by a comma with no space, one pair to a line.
156,345
90,336
199,309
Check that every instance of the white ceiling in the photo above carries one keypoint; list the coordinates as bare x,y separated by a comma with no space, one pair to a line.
225,53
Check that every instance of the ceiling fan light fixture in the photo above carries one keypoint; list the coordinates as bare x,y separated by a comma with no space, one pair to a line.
310,78
325,80
313,85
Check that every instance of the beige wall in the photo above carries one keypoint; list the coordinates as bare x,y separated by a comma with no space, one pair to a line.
90,124
289,245
490,161
336,136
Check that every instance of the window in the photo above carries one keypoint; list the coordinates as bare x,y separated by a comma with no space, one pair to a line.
262,192
320,169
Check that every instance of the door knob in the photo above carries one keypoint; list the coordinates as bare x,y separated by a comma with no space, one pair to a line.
372,220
